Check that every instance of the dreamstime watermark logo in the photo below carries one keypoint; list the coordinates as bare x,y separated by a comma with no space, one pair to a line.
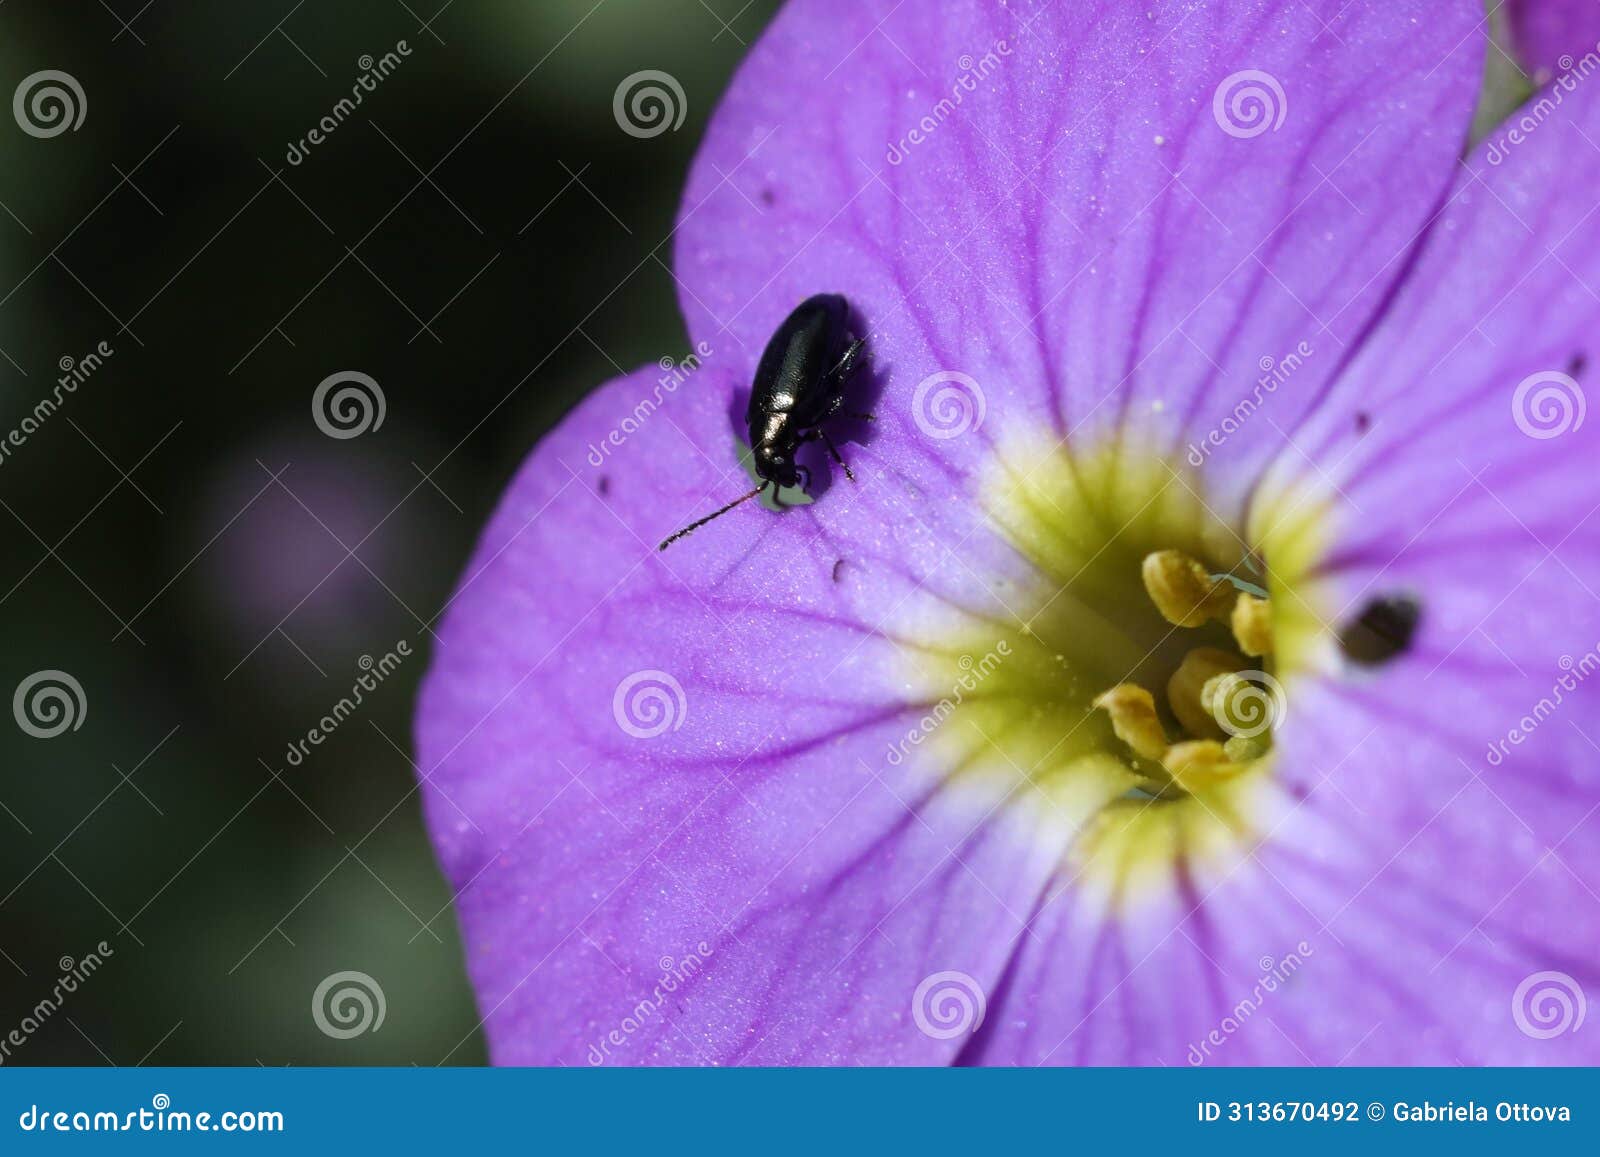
649,703
49,103
1548,404
649,103
675,975
1249,103
373,73
49,703
973,673
947,404
156,1119
947,1004
74,372
73,974
374,672
348,404
674,372
1576,671
1516,130
348,1004
1548,1004
1274,372
1246,704
1274,975
973,73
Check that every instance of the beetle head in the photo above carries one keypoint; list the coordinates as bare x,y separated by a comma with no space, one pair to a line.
776,464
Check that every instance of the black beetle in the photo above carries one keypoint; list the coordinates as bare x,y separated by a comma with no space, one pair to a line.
799,384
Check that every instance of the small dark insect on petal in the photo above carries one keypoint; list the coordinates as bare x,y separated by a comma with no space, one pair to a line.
1383,630
1363,421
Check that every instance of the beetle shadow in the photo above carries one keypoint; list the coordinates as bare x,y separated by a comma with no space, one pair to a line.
863,394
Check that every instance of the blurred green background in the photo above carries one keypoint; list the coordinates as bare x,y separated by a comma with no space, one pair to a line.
482,238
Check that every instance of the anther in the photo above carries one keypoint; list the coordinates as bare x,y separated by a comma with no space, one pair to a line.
1186,690
1200,763
1252,624
1134,719
1183,591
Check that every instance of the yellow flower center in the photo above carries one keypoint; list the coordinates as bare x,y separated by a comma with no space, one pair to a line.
1146,664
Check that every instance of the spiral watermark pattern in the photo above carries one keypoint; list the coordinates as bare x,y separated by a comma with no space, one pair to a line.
1548,404
348,404
49,103
649,703
948,404
348,1004
49,703
1249,103
947,1004
1548,1004
649,103
1248,703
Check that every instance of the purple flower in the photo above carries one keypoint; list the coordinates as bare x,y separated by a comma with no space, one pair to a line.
293,507
1202,668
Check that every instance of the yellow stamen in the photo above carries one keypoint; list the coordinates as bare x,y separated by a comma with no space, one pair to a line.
1244,748
1134,719
1252,624
1244,703
1209,751
1199,764
1186,689
1183,591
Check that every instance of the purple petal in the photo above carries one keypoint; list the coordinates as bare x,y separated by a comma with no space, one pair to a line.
1546,35
1111,223
1481,369
1432,831
748,821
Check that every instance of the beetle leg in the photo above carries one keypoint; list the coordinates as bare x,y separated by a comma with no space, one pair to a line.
848,363
837,407
826,441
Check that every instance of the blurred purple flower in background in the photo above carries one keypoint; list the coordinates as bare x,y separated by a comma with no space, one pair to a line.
292,535
1199,672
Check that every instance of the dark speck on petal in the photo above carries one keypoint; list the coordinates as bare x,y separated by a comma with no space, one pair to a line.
1382,630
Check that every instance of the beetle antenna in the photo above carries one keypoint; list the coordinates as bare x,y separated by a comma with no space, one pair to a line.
694,526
